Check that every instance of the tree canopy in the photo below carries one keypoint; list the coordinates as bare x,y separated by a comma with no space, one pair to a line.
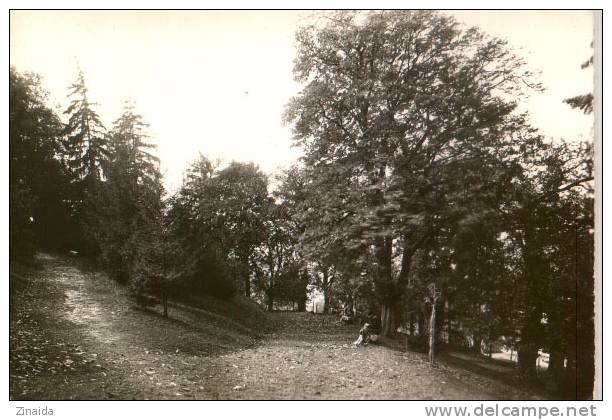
423,201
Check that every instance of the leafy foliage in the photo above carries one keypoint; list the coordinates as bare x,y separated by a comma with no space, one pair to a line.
416,162
396,104
216,217
38,183
422,195
583,102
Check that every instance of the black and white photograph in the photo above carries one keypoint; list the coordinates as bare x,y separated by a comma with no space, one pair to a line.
304,205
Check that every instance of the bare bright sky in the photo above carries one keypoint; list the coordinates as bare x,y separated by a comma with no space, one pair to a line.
217,81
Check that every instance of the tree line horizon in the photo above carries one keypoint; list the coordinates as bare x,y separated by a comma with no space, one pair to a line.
423,198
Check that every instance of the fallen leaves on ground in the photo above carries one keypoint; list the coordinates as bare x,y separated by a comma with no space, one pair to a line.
75,335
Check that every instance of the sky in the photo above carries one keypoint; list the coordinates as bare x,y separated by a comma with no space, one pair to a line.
216,82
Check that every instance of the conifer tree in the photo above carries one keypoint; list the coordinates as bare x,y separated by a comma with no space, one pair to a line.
86,148
86,141
131,201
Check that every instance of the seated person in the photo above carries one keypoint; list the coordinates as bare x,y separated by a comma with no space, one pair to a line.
364,335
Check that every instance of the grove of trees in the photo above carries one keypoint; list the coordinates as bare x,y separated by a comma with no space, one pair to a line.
423,198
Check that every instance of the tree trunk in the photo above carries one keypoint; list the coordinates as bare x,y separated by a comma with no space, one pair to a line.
326,300
440,318
527,355
388,319
326,290
411,327
301,305
270,301
584,367
530,344
555,362
571,391
432,332
531,330
244,263
556,369
421,324
386,287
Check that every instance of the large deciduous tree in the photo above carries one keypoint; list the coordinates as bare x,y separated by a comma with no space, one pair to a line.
552,203
395,104
276,264
38,183
218,216
237,205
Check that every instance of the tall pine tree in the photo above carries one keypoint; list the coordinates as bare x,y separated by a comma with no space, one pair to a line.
130,203
86,141
86,153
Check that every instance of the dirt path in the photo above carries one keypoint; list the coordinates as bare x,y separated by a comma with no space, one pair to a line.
75,335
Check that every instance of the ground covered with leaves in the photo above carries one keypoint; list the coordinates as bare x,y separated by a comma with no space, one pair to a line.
74,334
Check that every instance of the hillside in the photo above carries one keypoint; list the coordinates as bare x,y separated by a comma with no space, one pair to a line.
61,310
74,334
